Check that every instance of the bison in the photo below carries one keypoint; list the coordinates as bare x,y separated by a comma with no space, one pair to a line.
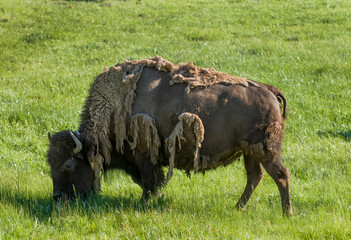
143,115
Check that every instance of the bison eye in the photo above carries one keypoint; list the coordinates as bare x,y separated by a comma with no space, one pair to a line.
69,165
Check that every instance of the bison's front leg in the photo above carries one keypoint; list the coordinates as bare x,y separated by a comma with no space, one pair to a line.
280,174
254,173
151,175
146,193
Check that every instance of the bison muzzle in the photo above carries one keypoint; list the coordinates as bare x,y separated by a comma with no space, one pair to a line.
143,115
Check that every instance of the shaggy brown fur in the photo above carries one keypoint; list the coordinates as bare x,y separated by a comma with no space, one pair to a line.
144,136
203,77
270,147
189,130
110,100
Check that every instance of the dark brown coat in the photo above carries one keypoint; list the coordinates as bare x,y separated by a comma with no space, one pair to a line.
143,115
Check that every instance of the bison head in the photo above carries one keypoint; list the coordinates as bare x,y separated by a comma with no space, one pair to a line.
71,172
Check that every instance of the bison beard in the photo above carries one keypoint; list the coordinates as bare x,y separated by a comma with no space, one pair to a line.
145,114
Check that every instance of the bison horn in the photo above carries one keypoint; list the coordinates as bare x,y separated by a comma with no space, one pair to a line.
78,147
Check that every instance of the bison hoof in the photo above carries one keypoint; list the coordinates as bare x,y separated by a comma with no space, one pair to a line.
288,213
242,209
158,195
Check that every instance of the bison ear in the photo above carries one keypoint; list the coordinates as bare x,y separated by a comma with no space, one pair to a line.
80,156
87,141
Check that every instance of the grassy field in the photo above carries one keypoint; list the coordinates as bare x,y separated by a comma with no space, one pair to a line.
51,51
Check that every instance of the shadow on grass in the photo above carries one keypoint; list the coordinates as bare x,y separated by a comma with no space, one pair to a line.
43,208
345,135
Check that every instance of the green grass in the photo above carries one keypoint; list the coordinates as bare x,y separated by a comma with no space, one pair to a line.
51,51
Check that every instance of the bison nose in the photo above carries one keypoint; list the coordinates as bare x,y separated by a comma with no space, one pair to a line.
57,196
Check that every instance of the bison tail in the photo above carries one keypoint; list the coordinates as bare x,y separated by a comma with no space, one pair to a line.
280,96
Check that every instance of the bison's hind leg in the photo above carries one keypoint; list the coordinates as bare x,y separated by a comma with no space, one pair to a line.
254,172
280,174
151,175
